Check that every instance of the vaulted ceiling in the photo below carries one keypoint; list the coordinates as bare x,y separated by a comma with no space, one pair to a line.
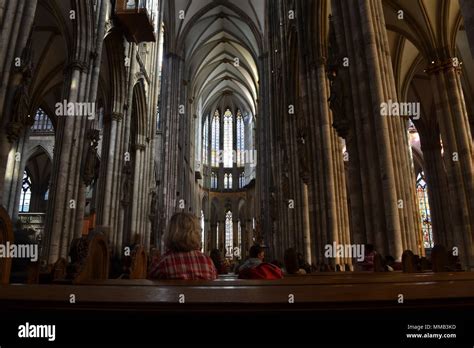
220,42
419,32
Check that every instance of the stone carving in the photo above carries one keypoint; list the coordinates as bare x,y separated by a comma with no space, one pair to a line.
21,116
90,165
303,157
153,204
127,182
336,98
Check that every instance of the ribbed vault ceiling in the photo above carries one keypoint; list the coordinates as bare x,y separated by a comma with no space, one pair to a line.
221,42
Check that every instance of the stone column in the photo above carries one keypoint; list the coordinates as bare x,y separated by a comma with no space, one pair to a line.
436,179
458,151
137,184
221,244
467,11
208,246
213,236
306,233
71,164
16,20
377,145
235,235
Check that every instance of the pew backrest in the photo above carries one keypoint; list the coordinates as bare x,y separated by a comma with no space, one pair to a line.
408,262
139,263
59,269
378,263
96,265
439,258
6,235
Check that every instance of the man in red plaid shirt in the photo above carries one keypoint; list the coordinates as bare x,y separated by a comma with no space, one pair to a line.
183,260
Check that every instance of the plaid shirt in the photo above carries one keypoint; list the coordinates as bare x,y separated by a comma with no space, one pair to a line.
184,265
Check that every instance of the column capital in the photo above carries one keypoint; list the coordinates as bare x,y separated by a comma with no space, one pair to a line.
174,55
76,64
443,65
116,116
139,147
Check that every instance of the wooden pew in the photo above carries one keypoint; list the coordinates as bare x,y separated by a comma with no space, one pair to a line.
6,235
408,262
96,265
439,258
378,263
138,269
366,291
59,270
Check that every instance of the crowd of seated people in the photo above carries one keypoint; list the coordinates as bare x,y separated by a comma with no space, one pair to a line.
184,260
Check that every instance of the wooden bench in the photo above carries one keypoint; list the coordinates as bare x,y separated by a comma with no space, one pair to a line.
96,265
439,258
408,262
6,235
139,263
368,291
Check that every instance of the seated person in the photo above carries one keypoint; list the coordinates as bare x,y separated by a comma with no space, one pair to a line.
256,256
368,263
304,265
391,264
255,268
291,262
183,260
217,259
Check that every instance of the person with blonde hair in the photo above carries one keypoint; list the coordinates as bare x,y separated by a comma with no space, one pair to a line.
183,258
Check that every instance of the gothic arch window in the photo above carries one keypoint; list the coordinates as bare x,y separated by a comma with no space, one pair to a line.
213,180
228,233
25,196
425,212
228,181
215,139
242,180
42,122
205,141
228,139
202,231
239,237
240,140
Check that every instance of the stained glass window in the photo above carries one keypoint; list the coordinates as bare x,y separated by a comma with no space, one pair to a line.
425,212
213,180
240,140
228,140
215,139
228,181
42,122
25,196
228,233
239,237
205,141
242,180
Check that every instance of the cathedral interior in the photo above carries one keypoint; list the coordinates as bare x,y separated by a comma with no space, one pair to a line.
286,123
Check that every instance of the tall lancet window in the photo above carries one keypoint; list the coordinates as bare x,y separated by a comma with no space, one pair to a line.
205,142
228,233
425,212
242,180
239,237
228,139
240,140
215,139
213,180
25,195
228,181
